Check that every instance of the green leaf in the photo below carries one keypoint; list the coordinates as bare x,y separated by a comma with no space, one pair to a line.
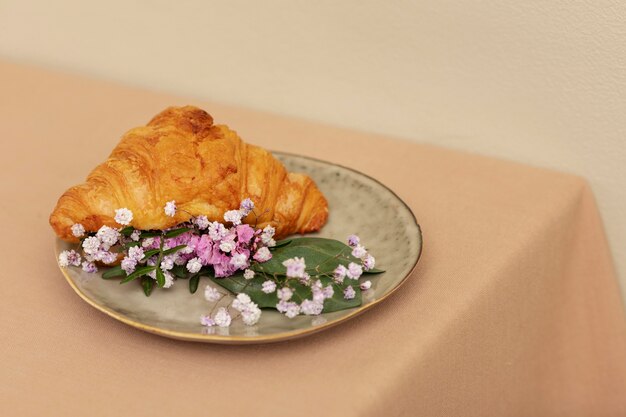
143,270
281,243
150,253
180,271
174,249
144,235
321,255
130,245
160,277
374,271
127,231
147,284
177,232
114,272
193,283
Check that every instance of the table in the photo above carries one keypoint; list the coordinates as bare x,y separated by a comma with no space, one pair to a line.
513,310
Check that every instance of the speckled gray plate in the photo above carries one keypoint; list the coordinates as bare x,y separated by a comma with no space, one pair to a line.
357,204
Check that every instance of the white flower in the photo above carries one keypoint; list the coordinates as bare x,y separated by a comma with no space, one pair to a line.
268,234
248,274
233,216
311,308
167,263
354,271
263,254
251,314
128,265
211,294
295,267
217,231
369,262
136,253
359,252
290,308
202,222
349,293
241,301
91,245
227,246
149,241
366,285
170,208
78,230
194,265
284,293
169,280
271,243
239,260
69,257
108,236
318,295
123,216
135,235
106,257
222,318
268,287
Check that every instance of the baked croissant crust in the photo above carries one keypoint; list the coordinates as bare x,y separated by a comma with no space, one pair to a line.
205,168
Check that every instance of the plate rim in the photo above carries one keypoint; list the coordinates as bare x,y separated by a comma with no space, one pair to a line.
278,337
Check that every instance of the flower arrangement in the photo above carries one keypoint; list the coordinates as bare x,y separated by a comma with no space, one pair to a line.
304,275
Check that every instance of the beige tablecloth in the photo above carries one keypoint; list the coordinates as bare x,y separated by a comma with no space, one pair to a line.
514,309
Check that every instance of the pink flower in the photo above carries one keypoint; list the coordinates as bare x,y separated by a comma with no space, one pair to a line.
204,249
244,233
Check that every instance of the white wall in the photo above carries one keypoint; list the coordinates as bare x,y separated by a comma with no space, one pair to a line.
542,82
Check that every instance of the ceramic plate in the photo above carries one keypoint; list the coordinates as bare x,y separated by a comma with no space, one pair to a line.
357,204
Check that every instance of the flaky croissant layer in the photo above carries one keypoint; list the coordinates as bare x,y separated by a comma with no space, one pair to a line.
207,169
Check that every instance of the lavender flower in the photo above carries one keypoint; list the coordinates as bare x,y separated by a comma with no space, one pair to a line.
354,271
128,265
295,267
90,267
246,206
369,262
340,273
353,240
359,252
135,235
268,287
207,321
349,293
311,308
284,293
366,285
69,257
136,253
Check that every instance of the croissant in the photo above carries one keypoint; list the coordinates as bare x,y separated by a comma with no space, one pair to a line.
206,169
